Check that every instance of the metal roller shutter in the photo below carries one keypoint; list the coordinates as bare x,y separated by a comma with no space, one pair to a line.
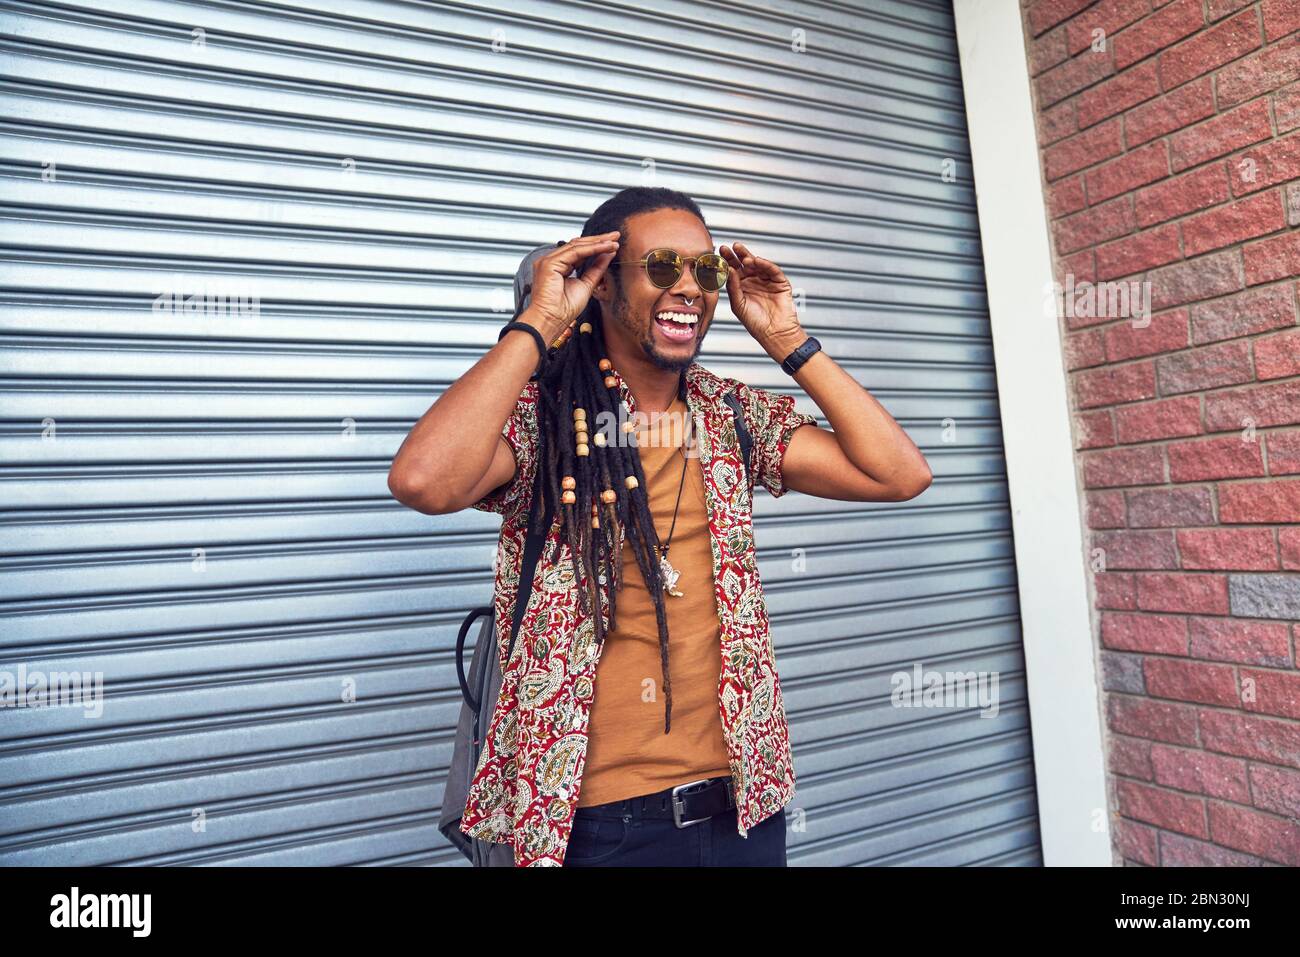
195,502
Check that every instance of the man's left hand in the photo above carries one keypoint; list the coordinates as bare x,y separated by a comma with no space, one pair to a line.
763,301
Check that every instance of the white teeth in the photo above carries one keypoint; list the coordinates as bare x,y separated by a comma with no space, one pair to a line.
686,317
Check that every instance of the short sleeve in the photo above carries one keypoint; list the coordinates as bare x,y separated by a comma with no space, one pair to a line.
773,420
520,433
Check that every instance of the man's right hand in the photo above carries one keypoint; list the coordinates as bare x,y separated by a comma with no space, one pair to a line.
557,298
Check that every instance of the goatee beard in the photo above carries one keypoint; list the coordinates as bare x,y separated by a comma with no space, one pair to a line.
647,343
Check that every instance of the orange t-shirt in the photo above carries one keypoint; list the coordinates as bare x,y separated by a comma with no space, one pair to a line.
628,753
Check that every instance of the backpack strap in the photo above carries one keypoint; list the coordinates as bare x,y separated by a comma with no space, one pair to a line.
532,552
742,431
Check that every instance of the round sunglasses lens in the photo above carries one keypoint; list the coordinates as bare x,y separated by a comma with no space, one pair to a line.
663,267
711,272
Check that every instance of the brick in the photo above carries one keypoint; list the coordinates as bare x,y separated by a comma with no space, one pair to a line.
1133,169
1115,590
1275,789
1184,194
1134,254
1166,332
1094,226
1086,149
1106,509
1293,204
1194,681
1218,9
1072,76
1265,596
1196,593
1121,672
1272,259
1151,720
1237,549
1286,104
1248,642
1141,550
1255,75
1181,108
1280,18
1248,736
1235,223
1261,406
1271,164
1153,634
1245,314
1165,809
1066,196
1110,468
1268,836
1276,693
1205,367
1289,540
1109,16
1166,27
1218,45
1277,357
1056,123
1083,349
1136,842
1224,134
1112,385
1260,502
1189,769
1080,266
1230,456
1178,850
1169,507
1130,756
1095,429
1203,278
1163,419
1284,459
1047,51
1118,94
1046,14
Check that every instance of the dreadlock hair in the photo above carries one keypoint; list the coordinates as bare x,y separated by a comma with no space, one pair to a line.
572,378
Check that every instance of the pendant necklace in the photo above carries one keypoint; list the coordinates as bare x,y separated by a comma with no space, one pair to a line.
666,570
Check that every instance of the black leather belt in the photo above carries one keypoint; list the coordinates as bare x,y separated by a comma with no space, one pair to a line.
687,804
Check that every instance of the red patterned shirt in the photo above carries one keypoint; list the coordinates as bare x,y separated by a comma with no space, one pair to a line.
525,789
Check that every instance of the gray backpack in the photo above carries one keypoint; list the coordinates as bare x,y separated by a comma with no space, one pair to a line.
481,686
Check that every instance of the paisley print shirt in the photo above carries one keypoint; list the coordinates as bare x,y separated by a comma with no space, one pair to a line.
525,788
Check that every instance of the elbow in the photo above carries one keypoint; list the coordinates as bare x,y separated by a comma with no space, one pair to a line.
915,483
416,492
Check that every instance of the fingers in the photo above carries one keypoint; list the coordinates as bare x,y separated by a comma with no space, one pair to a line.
745,261
596,268
581,247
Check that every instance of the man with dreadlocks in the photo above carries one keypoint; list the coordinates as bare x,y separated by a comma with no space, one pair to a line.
649,570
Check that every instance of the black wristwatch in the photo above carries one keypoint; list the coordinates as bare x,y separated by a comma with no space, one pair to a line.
801,355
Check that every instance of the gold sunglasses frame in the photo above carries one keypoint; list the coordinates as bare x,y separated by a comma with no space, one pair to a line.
681,263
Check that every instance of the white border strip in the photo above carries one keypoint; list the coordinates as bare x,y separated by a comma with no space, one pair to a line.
1062,665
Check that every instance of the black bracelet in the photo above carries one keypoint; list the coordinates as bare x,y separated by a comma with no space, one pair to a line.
541,343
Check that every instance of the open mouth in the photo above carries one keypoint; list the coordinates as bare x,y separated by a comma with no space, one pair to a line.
677,326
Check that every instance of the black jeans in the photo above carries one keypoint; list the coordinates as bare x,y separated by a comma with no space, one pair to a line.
618,834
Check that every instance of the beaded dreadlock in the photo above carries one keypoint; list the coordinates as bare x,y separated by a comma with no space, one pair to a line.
584,473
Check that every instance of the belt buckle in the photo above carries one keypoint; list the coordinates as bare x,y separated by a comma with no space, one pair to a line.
678,805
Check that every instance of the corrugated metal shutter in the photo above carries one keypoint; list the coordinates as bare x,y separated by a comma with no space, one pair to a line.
196,506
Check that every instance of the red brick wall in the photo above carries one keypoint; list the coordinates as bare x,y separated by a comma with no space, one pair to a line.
1170,150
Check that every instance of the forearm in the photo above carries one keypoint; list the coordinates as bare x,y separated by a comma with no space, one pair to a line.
868,435
449,450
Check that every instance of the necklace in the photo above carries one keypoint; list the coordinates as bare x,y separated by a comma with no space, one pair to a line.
666,570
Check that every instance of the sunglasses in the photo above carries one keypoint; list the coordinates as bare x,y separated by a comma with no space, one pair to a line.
664,267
